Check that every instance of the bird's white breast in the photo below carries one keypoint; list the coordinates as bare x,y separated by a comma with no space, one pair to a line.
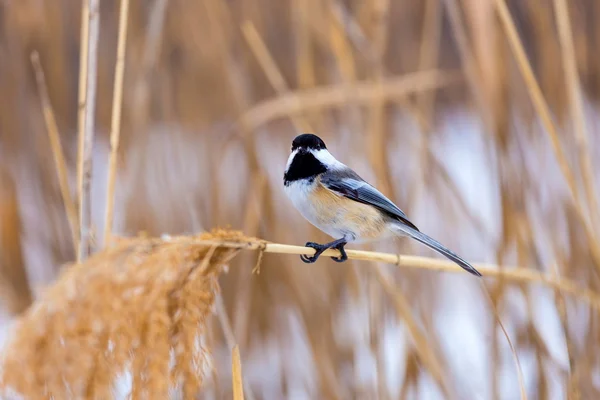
333,214
299,193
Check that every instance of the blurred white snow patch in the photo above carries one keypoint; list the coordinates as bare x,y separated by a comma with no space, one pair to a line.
428,389
300,372
123,384
393,350
170,161
463,152
466,158
548,324
462,323
6,324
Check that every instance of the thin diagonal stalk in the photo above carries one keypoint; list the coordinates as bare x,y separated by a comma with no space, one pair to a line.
81,103
115,131
565,35
57,152
543,110
85,206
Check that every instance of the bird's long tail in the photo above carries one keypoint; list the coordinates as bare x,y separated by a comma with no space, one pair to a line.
435,245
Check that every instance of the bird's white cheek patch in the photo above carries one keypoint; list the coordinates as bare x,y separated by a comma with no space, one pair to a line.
328,159
290,159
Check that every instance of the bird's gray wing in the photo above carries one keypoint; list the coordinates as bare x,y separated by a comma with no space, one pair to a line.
348,184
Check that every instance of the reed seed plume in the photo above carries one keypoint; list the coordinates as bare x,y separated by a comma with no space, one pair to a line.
139,307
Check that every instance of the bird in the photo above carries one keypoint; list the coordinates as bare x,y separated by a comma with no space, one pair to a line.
335,199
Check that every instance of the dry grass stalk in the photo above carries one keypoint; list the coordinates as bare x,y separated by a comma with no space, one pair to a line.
268,64
507,273
303,14
429,53
324,97
115,130
576,103
152,43
341,47
522,389
15,291
128,307
225,323
85,205
424,350
543,110
57,152
236,371
81,101
472,70
378,138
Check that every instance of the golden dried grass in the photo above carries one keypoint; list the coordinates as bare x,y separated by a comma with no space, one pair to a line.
236,373
129,307
140,307
182,77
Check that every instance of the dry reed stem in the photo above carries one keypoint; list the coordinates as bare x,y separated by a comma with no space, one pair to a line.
272,72
377,138
57,152
115,130
522,389
305,53
543,110
125,308
225,323
576,104
85,206
324,97
424,350
354,32
508,273
538,100
81,103
15,289
141,96
236,372
342,50
561,308
472,71
429,52
264,57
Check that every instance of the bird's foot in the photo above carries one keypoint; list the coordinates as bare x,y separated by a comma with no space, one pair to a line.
343,256
320,248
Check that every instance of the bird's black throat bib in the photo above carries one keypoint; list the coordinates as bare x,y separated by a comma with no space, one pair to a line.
304,166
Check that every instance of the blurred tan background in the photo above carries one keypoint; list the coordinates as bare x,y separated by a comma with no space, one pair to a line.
423,98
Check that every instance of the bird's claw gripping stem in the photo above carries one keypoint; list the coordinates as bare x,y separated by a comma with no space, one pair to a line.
320,248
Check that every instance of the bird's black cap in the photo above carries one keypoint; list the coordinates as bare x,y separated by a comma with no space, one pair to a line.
308,141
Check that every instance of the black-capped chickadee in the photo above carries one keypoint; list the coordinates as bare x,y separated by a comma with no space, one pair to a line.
332,197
